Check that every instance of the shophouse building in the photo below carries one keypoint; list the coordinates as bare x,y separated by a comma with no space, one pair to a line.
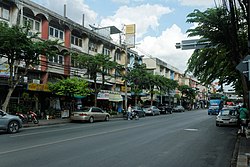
158,67
74,38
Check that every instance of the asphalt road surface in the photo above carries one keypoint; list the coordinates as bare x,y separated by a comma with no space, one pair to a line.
188,139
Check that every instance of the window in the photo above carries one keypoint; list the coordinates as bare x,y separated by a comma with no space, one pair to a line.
60,61
54,32
6,14
106,51
37,26
33,24
51,31
92,47
76,41
117,56
56,59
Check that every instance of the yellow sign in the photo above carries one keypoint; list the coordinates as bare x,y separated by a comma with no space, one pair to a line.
130,29
38,87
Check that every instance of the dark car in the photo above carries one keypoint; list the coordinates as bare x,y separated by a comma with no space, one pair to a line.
178,108
165,108
138,110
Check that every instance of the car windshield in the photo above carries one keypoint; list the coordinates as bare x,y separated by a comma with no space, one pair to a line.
146,106
228,112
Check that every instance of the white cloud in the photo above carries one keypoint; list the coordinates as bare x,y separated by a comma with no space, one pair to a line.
126,1
163,47
144,16
74,10
204,3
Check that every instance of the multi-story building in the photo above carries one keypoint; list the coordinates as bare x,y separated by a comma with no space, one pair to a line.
74,37
158,67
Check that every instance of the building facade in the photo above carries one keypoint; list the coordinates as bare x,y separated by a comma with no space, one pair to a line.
74,37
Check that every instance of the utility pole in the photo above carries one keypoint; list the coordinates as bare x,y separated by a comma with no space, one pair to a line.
125,82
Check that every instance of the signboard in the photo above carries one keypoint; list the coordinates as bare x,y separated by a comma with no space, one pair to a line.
38,87
243,66
4,70
130,35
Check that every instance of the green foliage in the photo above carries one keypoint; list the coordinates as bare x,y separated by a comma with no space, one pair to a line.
187,91
98,64
16,46
70,86
227,33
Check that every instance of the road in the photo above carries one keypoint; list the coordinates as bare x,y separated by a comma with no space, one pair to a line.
188,139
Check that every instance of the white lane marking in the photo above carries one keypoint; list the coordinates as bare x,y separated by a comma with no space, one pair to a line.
191,129
48,131
66,140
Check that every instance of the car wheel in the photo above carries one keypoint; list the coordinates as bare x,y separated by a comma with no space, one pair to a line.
91,119
107,118
13,127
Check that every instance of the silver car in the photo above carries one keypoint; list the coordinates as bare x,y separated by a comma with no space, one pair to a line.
90,114
227,117
151,110
9,123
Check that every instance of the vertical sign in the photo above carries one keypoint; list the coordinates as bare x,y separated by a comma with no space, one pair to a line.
130,35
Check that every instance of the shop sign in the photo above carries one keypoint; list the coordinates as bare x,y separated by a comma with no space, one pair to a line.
115,97
123,89
102,96
38,87
4,70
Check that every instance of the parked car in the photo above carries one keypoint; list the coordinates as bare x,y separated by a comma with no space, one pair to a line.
9,123
151,110
90,114
227,116
165,108
179,108
139,111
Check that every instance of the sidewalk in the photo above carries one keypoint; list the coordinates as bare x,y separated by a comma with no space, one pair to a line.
243,155
44,122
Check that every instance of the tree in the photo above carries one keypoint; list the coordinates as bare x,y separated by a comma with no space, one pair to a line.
167,86
70,86
136,78
16,46
187,93
226,30
98,64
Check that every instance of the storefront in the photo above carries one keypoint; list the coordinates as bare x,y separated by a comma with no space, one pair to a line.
110,100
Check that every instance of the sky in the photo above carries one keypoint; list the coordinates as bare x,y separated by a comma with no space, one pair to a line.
160,24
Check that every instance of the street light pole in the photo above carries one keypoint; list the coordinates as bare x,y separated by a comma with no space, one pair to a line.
125,82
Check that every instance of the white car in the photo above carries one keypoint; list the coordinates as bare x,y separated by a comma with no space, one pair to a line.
227,116
9,123
90,114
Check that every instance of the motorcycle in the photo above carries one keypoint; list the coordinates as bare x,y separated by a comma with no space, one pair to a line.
29,117
133,115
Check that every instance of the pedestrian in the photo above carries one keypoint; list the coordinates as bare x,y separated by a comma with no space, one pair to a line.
129,111
244,115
